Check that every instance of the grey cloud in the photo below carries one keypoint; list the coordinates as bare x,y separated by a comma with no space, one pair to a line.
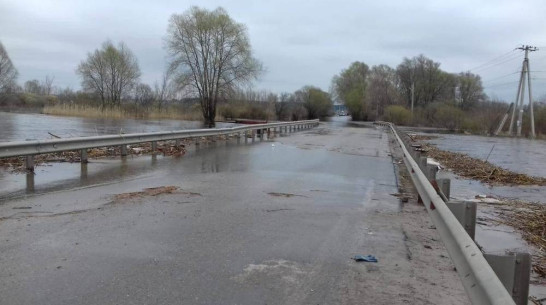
300,42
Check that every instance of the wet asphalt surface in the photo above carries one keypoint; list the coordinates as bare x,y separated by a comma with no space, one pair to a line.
250,223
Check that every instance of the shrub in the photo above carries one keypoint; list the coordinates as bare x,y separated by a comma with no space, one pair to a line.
397,114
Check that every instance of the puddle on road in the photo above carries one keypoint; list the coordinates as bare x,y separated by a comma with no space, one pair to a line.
259,158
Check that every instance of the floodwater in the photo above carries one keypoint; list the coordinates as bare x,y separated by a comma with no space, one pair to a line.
25,126
516,154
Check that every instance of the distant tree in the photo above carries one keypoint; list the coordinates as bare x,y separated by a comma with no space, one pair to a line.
33,86
282,106
211,54
382,90
165,90
110,73
350,87
317,102
8,73
430,83
143,96
47,85
470,89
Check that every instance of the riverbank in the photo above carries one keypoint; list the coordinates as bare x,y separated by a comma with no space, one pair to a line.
172,113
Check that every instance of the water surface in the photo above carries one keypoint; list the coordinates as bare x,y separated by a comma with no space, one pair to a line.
24,126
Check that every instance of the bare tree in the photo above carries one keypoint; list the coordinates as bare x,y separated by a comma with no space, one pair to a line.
430,84
109,72
470,89
144,96
33,86
382,91
47,85
8,73
211,53
165,90
282,106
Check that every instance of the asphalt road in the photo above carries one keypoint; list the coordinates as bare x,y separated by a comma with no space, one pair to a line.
272,222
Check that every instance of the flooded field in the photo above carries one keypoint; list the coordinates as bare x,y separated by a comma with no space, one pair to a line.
24,126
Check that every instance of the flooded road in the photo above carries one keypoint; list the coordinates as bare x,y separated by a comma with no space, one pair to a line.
25,126
271,222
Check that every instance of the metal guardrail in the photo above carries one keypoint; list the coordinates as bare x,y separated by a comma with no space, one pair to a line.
480,281
30,148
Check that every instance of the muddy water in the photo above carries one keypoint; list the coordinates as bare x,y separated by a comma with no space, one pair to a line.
20,127
516,154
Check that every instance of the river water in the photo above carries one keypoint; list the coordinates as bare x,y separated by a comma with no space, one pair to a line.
516,154
21,127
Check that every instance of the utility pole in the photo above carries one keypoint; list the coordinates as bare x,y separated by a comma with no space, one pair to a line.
412,96
525,72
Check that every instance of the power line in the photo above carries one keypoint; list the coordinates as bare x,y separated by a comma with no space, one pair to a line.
492,60
505,60
500,85
496,78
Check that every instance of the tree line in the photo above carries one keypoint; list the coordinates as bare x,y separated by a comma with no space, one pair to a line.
210,63
416,82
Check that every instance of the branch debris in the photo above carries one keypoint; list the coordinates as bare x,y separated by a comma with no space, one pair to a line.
529,218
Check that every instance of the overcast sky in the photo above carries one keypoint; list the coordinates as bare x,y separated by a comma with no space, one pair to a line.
299,42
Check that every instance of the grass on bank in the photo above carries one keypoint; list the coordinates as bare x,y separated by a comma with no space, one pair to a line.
125,112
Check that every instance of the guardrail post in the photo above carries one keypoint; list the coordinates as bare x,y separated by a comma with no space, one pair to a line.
431,171
253,134
123,150
444,185
177,143
422,163
514,271
416,155
83,155
29,163
465,212
268,133
30,182
154,146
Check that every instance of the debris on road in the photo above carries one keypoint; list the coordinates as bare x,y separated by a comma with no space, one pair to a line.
365,258
286,195
153,191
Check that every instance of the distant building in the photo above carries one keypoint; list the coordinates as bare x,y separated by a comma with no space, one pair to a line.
340,109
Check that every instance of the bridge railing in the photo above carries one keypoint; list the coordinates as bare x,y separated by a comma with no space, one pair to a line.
487,279
35,147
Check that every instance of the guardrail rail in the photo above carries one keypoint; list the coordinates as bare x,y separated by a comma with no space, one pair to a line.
35,147
479,279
